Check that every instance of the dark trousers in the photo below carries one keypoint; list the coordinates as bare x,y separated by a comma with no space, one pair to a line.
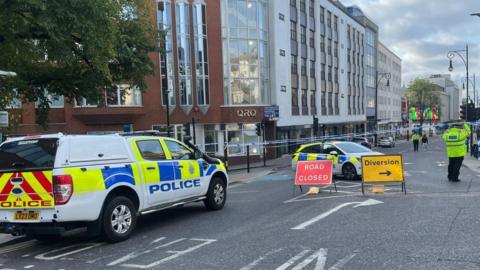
415,146
454,165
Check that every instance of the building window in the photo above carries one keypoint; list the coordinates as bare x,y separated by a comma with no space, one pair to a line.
312,39
323,72
245,42
281,16
84,102
311,9
322,45
293,3
329,19
313,100
53,100
302,6
239,136
282,52
183,52
303,34
201,53
335,49
312,69
337,105
329,74
293,30
336,75
124,95
211,139
335,23
303,66
295,110
304,102
330,103
166,59
323,104
294,65
322,15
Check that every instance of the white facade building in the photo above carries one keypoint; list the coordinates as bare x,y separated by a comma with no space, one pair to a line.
389,97
317,69
451,110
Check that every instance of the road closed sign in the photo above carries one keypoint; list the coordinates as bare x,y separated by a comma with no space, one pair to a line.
385,168
313,173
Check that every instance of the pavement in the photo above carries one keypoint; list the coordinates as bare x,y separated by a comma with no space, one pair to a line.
266,225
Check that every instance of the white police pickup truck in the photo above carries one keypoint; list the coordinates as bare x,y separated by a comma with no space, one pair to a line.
53,183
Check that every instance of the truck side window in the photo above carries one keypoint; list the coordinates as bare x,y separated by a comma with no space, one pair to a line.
178,151
151,150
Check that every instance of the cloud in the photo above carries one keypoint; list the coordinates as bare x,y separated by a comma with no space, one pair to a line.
421,32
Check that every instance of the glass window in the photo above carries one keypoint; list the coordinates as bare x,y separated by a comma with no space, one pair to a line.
183,52
164,21
124,95
178,151
55,101
201,53
348,148
313,149
28,154
151,150
211,139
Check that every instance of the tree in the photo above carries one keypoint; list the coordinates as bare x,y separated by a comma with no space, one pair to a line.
423,94
77,49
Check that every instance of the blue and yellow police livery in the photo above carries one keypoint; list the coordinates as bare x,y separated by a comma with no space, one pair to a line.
346,156
102,182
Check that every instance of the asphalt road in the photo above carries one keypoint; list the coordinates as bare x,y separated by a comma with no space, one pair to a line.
265,226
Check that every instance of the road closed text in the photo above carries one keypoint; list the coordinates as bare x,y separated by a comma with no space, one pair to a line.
317,172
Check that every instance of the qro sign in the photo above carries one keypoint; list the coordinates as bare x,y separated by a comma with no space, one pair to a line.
246,112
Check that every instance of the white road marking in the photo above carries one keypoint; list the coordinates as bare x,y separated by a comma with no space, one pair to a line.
320,255
261,258
176,254
81,247
157,240
343,261
407,174
408,163
319,198
293,260
135,254
307,223
18,246
29,266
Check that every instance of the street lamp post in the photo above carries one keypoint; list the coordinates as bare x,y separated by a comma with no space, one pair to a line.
450,56
379,77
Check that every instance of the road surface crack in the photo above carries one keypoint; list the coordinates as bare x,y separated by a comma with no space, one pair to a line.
448,233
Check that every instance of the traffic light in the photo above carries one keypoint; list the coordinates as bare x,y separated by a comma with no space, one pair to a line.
315,125
462,111
186,129
258,129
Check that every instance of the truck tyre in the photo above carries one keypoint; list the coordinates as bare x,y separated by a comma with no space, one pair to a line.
216,195
119,219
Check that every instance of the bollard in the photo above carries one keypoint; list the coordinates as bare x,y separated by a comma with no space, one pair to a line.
225,157
248,158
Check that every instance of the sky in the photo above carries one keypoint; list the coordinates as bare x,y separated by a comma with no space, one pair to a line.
421,32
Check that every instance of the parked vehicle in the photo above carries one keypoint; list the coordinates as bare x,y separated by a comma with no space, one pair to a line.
363,141
386,142
53,183
348,155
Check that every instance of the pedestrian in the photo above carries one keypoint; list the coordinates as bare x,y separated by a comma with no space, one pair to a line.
455,138
416,140
424,141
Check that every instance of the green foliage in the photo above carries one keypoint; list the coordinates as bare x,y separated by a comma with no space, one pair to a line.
422,93
74,48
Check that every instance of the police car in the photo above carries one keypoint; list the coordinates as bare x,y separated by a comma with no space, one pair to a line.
346,156
53,183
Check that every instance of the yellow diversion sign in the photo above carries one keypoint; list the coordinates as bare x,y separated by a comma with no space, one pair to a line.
383,169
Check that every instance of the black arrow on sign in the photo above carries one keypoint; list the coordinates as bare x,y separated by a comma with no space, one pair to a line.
387,173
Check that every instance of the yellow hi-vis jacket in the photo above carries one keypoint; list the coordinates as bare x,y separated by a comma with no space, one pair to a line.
415,137
455,139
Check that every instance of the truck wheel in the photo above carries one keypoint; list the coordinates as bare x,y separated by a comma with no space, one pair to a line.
119,219
216,195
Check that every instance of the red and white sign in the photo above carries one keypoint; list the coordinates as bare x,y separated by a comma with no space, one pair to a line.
312,173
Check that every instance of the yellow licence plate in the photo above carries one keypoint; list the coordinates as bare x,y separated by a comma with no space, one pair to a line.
27,215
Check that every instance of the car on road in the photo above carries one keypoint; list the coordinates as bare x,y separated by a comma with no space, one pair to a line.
53,183
363,141
386,142
346,156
